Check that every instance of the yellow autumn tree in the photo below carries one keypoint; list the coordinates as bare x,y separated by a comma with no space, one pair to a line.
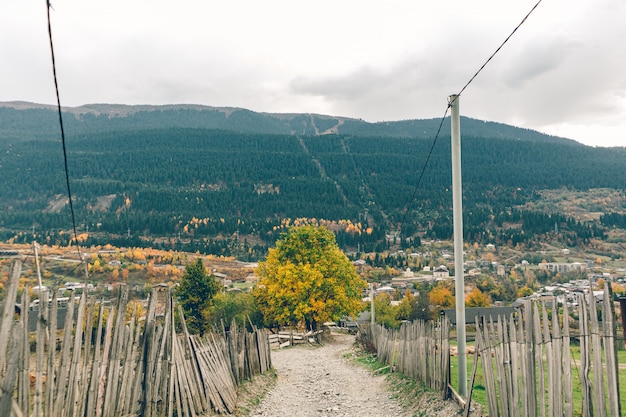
600,284
525,291
441,296
477,298
306,279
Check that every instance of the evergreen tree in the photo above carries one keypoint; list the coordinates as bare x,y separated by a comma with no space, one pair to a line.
195,293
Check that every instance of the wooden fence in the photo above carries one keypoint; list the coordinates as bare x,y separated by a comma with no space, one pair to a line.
527,361
108,361
283,339
419,349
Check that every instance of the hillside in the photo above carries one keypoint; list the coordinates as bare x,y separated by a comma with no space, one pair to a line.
18,118
227,181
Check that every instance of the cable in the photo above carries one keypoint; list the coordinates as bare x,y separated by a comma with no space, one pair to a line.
67,175
432,147
499,47
408,206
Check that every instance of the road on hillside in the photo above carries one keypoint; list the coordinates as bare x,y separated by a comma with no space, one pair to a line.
319,381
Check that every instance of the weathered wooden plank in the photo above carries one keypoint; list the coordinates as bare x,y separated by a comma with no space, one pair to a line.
482,335
148,355
506,365
137,395
171,396
23,395
468,404
568,404
222,381
498,338
531,375
515,354
8,310
117,339
239,354
87,358
73,383
558,365
583,319
130,366
612,367
599,402
94,377
61,382
51,376
10,377
231,341
194,371
251,356
539,360
104,365
161,371
177,397
181,393
40,350
547,341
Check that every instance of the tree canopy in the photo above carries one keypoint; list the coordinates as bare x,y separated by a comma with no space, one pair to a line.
195,292
441,296
256,176
306,279
477,298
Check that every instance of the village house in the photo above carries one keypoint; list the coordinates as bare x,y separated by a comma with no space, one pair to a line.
440,273
563,267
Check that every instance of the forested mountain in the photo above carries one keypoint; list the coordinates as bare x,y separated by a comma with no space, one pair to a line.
21,120
229,180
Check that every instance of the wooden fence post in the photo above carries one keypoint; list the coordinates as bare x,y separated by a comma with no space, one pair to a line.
612,367
10,377
583,318
8,309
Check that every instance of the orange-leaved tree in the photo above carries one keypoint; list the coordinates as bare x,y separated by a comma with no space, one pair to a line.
306,279
441,296
477,298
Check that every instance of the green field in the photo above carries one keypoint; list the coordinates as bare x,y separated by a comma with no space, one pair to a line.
479,393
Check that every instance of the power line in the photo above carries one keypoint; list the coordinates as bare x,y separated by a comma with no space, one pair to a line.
455,98
56,86
432,147
498,49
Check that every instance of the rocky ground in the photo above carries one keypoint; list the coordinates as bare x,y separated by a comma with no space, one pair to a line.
323,381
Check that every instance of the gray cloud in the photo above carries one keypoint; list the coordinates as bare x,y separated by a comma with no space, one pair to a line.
564,71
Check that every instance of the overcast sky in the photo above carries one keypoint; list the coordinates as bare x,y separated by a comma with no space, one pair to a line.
562,73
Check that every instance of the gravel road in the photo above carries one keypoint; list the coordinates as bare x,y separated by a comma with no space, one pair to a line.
319,381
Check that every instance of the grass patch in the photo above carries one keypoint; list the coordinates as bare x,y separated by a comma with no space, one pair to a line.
479,394
412,395
368,361
251,392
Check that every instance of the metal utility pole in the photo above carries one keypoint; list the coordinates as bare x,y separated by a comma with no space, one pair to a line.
457,207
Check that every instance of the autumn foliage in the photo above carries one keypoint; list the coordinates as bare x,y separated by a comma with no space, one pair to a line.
307,280
442,297
477,298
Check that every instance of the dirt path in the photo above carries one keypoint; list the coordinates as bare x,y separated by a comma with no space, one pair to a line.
321,382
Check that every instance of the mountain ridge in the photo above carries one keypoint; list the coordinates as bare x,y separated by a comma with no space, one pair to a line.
229,183
306,124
